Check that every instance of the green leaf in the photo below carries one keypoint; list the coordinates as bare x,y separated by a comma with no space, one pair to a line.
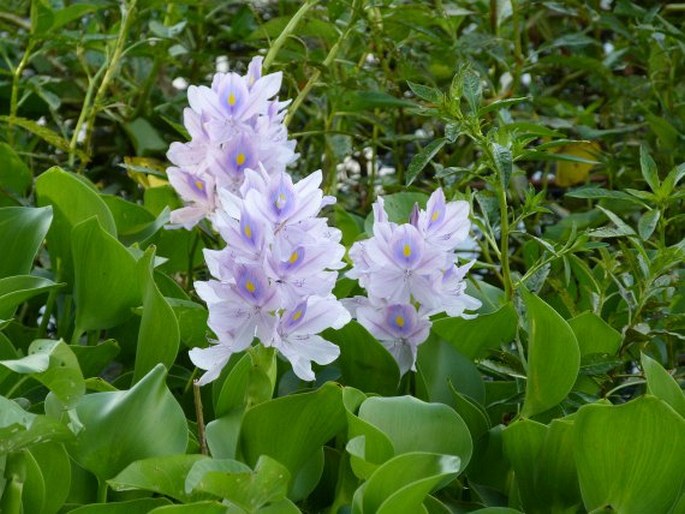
21,429
204,466
594,335
17,289
93,359
145,138
440,365
162,475
630,456
553,357
159,337
306,421
427,93
121,427
544,467
66,14
422,158
106,284
41,17
73,200
474,337
504,163
55,467
472,89
22,470
54,365
400,485
416,426
647,223
247,489
15,175
649,170
49,136
363,361
22,230
662,385
192,508
139,506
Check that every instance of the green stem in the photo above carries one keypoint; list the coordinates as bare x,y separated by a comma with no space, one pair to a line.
102,491
14,98
289,29
49,306
317,73
112,68
200,419
504,242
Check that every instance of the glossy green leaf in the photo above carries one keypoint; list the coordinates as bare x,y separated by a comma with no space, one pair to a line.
22,470
204,466
400,485
306,421
192,508
440,365
232,393
139,506
22,230
17,289
543,463
21,429
647,223
54,365
474,337
93,359
416,426
504,164
107,284
249,490
159,337
364,362
594,335
472,413
121,427
630,456
15,176
55,468
164,475
553,357
367,445
662,385
73,201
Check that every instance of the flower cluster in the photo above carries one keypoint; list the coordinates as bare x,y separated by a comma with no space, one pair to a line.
410,273
234,125
274,279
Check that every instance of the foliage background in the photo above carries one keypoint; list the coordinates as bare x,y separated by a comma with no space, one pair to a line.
562,124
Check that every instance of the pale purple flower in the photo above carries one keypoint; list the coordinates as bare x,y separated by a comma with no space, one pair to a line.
212,359
442,224
296,335
399,328
197,191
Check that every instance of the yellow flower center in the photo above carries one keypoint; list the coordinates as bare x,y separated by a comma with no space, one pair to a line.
406,251
231,99
200,185
249,285
280,200
435,216
294,257
248,231
240,159
399,321
297,315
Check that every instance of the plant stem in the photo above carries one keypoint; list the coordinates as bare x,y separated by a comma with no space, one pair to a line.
504,242
49,306
200,419
333,52
102,491
14,98
111,67
289,29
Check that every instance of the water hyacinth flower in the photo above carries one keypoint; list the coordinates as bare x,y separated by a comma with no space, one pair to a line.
234,125
274,278
410,272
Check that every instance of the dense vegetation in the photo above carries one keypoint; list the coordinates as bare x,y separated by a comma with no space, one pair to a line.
560,124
